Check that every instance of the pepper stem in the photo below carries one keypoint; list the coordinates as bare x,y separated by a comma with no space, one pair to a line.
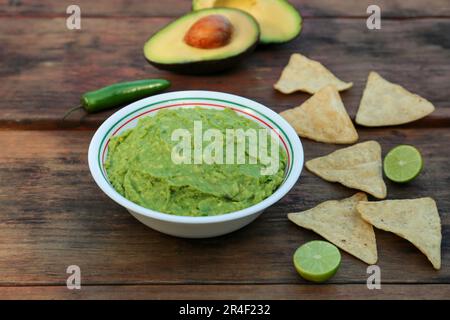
68,113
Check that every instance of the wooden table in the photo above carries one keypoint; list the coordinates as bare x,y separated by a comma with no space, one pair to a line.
52,214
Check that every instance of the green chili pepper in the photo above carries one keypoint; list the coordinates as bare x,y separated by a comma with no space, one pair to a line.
119,94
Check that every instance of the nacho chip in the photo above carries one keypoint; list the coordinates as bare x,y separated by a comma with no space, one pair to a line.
416,220
357,167
303,74
323,118
387,104
340,223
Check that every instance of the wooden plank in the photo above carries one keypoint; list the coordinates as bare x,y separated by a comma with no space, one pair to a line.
316,8
229,292
40,83
53,216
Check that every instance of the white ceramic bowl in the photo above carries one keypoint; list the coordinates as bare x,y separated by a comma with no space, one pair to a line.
185,226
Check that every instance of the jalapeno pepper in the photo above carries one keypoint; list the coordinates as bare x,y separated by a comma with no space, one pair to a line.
119,94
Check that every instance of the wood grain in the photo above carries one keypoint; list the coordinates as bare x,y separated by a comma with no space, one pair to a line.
53,216
42,82
230,292
173,8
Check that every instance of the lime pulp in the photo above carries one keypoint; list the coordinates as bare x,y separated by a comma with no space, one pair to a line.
402,164
317,260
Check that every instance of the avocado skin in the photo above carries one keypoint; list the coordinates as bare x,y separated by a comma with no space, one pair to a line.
204,67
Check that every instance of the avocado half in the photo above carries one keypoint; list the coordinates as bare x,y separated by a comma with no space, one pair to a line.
167,48
279,20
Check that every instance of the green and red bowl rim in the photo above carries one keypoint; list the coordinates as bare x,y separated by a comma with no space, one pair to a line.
118,122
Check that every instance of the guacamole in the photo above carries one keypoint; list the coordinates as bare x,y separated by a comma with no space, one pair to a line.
146,165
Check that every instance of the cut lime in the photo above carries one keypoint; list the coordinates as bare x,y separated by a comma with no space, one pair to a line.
403,163
317,260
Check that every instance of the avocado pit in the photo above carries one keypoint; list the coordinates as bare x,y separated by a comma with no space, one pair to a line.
210,32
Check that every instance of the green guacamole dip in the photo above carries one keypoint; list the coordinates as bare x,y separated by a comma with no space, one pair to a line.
140,166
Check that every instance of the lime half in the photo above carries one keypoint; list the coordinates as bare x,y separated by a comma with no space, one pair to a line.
317,260
403,163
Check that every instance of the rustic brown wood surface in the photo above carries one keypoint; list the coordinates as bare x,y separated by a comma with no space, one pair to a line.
105,51
174,8
53,215
230,292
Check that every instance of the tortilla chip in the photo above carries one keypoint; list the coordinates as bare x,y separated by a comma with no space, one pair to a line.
358,167
303,74
416,220
341,224
387,104
323,118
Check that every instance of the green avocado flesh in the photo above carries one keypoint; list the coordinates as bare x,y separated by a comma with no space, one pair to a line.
278,19
168,50
140,165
